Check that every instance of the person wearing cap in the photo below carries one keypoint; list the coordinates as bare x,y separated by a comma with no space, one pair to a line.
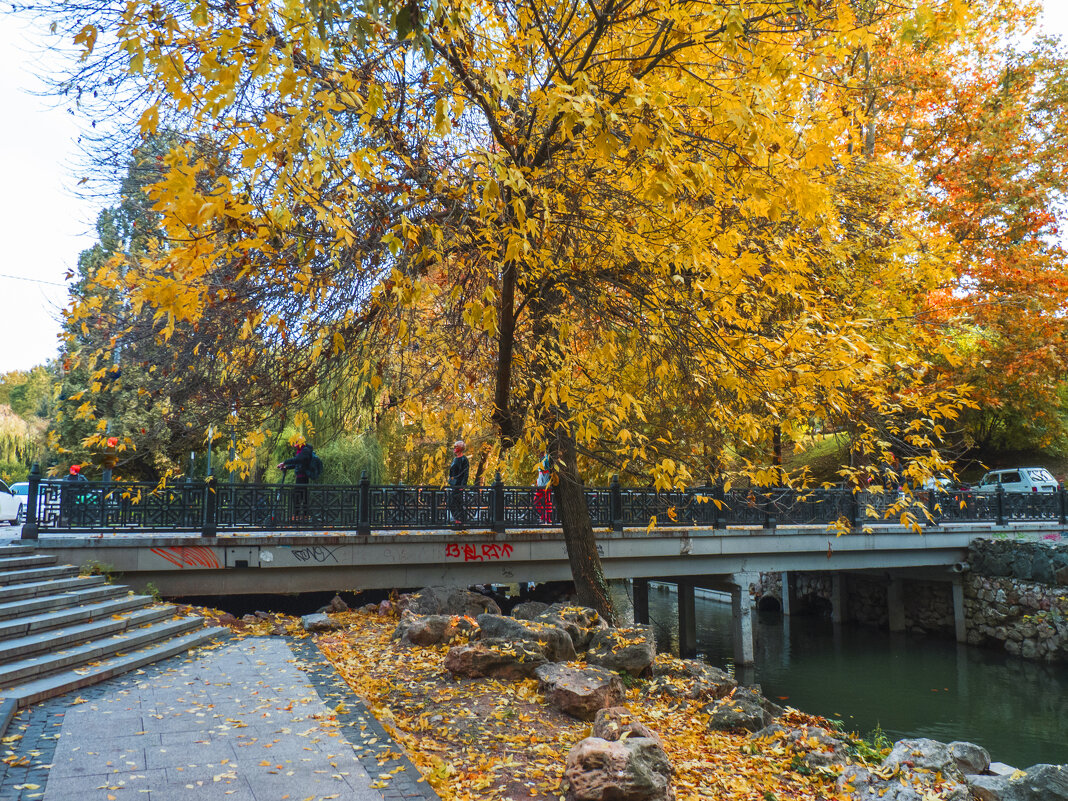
458,472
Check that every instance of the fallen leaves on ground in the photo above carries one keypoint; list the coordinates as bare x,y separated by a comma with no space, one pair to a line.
494,740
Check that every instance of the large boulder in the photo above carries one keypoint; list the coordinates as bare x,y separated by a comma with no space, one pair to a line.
689,678
426,630
922,754
628,649
969,757
528,610
745,709
580,692
579,622
634,769
1037,783
618,722
495,658
555,643
818,745
320,622
448,601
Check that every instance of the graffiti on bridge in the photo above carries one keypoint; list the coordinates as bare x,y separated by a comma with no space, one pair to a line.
486,552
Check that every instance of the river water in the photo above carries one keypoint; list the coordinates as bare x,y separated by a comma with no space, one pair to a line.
907,685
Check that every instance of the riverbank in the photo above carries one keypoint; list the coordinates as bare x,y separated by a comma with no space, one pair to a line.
499,740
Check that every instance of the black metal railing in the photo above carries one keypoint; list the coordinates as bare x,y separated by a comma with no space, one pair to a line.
206,507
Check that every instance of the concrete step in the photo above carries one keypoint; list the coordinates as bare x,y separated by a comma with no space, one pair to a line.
67,636
29,560
16,550
70,680
38,589
48,620
92,652
61,600
13,577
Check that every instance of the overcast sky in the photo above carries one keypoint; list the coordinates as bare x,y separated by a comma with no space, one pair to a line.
43,224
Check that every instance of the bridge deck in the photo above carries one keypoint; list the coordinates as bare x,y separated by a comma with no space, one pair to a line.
287,562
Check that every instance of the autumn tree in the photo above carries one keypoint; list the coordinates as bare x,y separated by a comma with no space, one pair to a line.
569,212
980,112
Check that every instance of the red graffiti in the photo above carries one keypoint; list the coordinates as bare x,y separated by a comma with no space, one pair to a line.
487,552
183,556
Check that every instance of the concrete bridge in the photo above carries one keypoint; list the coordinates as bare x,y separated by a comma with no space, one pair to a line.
728,559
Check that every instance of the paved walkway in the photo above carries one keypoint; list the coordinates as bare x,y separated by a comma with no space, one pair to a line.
256,719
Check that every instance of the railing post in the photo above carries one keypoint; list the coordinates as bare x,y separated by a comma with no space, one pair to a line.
1000,496
363,524
29,525
615,504
1064,505
498,503
719,506
770,518
211,508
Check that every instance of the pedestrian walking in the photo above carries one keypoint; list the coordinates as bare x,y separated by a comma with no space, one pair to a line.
301,463
458,472
543,503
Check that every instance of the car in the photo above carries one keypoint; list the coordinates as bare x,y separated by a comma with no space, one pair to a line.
22,489
10,504
1018,479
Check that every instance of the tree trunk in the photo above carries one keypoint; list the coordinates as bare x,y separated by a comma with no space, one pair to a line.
586,570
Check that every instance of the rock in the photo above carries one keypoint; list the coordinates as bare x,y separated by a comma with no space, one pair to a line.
449,601
249,619
528,610
226,619
745,709
688,678
819,746
624,770
319,622
579,622
421,630
616,722
629,649
262,615
580,692
1037,783
923,754
337,604
426,630
495,658
862,785
969,757
385,608
555,643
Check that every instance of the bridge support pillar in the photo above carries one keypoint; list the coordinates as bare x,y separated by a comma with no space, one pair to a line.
959,620
641,601
742,618
789,592
687,621
895,603
839,594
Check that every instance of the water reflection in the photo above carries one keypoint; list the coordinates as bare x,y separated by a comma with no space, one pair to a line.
909,685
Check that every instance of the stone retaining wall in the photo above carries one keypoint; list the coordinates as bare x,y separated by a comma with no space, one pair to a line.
1015,597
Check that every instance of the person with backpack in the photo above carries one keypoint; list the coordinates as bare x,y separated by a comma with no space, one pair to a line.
306,466
543,503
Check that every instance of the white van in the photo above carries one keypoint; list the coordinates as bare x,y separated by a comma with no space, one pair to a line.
1018,479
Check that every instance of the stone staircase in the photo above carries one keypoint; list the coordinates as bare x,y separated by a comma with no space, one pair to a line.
60,631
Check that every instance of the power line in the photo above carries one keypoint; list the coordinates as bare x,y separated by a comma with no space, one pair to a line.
34,280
